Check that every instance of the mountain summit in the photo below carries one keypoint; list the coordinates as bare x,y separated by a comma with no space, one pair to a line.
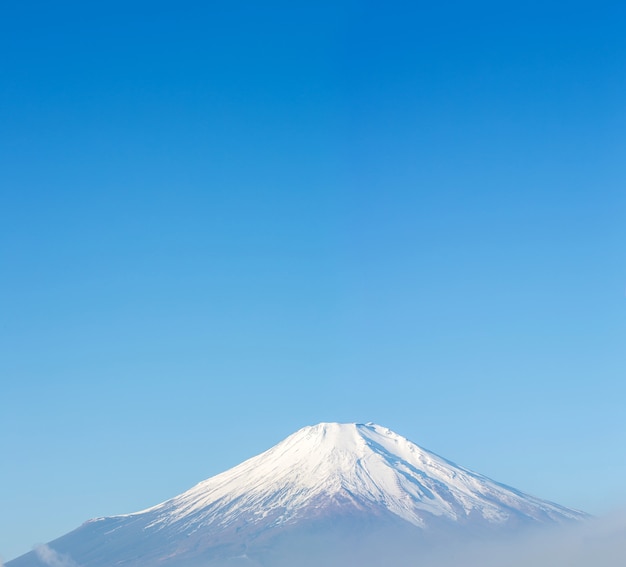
324,485
334,467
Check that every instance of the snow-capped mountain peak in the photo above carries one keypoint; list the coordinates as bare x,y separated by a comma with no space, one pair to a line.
334,466
329,486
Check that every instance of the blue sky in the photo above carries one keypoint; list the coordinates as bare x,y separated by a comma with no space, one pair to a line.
219,224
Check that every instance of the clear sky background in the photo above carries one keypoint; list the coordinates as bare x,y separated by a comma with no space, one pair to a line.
222,221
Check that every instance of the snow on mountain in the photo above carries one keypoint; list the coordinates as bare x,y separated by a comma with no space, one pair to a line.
348,465
321,475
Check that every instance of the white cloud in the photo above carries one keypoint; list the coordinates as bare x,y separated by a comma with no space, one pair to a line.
53,558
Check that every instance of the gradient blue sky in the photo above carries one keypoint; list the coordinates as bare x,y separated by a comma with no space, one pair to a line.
219,224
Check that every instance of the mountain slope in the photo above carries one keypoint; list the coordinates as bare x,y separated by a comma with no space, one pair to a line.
340,484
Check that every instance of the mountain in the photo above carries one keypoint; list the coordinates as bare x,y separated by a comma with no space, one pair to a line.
317,498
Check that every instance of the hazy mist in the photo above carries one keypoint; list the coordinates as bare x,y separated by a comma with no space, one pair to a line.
597,543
